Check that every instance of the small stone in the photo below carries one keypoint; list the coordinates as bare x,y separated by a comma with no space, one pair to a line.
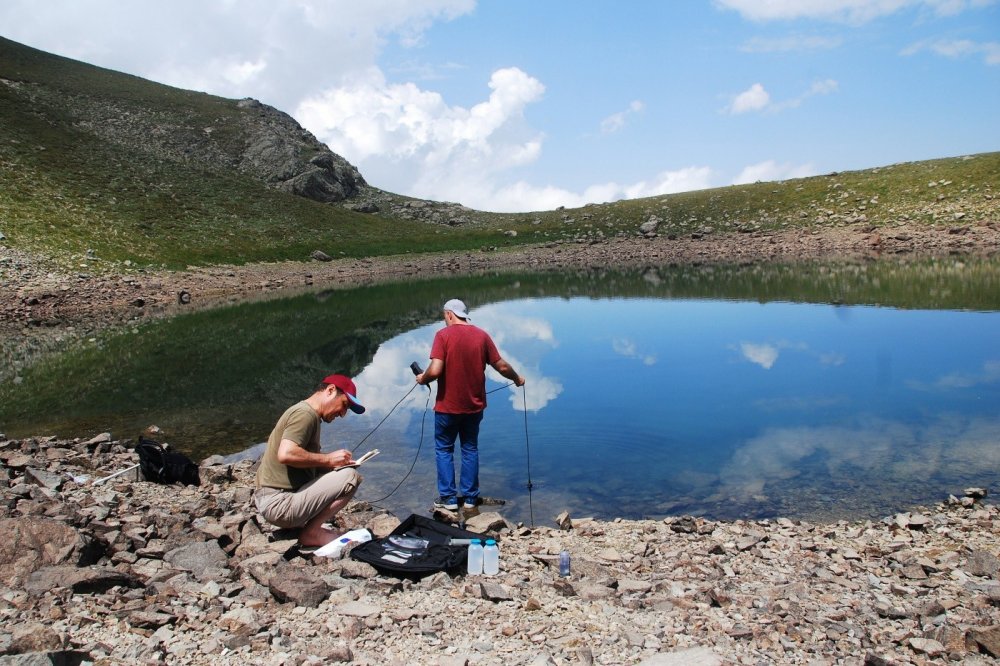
299,587
358,609
610,555
495,592
927,646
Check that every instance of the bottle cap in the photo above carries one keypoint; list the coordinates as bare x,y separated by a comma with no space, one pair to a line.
491,542
475,541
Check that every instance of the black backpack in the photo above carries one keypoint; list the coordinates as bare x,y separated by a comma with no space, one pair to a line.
417,548
161,466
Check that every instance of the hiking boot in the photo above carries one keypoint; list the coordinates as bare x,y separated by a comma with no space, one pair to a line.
449,504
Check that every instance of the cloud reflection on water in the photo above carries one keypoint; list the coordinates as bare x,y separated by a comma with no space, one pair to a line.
873,451
766,354
763,355
388,377
990,374
628,348
825,431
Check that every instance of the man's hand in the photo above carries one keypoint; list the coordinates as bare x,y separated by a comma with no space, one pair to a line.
339,458
519,381
293,455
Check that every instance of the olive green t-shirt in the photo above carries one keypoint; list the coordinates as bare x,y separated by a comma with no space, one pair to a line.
300,423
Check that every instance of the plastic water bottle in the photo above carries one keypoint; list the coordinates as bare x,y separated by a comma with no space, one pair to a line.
564,563
475,565
491,558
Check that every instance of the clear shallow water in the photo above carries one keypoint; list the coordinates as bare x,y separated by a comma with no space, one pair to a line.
729,409
808,391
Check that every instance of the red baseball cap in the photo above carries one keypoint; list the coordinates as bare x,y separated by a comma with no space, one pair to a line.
346,384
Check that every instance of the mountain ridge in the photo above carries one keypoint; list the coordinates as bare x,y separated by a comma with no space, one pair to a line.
104,171
265,143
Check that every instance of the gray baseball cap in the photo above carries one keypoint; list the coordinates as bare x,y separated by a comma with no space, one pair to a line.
458,308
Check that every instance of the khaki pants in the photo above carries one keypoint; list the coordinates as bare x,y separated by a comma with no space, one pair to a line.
287,509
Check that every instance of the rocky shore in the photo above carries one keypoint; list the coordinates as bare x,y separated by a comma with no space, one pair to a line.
127,571
38,296
43,307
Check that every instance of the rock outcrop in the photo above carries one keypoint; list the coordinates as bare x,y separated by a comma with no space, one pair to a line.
282,153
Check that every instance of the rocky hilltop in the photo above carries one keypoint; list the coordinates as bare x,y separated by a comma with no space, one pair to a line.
127,571
164,123
264,143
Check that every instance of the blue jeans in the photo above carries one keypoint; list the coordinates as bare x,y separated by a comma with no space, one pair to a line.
465,427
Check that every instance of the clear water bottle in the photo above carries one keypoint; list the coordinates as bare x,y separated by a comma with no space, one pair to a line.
475,565
491,558
564,563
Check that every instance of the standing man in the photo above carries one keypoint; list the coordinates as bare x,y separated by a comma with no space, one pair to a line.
459,357
297,484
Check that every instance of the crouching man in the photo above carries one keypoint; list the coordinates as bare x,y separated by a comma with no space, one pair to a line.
298,486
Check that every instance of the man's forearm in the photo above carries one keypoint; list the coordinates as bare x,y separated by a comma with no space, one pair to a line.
293,455
505,369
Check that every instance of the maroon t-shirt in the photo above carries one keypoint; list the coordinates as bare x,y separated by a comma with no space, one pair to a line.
466,351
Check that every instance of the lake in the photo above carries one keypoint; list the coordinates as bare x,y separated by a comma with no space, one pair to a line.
813,391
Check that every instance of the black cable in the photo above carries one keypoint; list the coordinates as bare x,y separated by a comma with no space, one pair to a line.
420,443
527,448
500,388
416,456
388,414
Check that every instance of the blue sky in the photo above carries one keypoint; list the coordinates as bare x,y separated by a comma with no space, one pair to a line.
512,105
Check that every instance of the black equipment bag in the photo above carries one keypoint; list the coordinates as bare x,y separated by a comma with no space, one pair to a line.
161,466
417,548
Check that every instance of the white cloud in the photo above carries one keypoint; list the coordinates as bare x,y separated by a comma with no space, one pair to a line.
461,154
517,333
474,188
627,348
825,87
387,379
849,11
766,354
755,98
792,43
769,170
959,48
669,182
990,374
616,121
832,358
274,51
368,116
457,152
763,355
950,446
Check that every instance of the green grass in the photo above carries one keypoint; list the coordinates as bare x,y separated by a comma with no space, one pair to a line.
79,200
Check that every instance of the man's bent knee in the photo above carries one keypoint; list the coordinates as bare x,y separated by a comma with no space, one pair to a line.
351,483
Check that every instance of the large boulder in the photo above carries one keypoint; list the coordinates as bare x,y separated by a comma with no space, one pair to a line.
30,543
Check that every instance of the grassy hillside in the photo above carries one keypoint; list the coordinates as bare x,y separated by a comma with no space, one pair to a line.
70,194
